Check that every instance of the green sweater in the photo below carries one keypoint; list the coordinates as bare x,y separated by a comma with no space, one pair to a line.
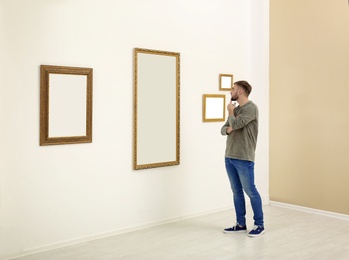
241,142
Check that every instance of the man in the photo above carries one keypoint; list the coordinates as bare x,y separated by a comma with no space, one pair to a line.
241,129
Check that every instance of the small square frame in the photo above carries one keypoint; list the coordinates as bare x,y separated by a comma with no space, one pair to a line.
213,109
226,81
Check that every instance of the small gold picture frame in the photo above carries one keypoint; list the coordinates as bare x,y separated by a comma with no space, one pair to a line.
225,81
213,108
65,105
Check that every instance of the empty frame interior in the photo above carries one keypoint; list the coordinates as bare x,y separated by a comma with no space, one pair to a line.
156,108
213,108
65,105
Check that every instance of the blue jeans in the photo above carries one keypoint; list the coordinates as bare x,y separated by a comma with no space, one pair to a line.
241,177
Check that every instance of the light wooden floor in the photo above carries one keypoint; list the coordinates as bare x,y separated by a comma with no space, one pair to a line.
290,234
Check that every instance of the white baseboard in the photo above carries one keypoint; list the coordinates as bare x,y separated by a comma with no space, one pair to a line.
310,210
36,250
73,242
265,200
77,241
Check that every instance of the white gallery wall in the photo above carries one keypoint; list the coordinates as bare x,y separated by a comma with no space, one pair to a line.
58,195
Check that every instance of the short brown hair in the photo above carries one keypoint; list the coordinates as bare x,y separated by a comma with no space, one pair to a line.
245,85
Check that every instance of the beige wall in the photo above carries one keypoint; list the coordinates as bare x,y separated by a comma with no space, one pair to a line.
309,105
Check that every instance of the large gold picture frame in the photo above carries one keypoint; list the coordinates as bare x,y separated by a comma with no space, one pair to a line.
65,105
156,109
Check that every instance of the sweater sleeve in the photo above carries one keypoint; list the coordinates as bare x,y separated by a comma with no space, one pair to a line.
245,116
224,128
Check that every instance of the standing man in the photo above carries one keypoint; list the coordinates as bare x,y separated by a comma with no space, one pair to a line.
241,129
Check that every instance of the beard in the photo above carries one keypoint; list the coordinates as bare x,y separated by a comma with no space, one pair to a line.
234,98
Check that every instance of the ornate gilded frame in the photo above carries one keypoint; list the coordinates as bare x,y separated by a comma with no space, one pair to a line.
156,109
47,75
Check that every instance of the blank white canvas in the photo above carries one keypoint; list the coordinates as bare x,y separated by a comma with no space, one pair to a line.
67,105
214,108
